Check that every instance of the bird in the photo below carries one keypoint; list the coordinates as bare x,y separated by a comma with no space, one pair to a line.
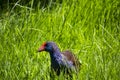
65,61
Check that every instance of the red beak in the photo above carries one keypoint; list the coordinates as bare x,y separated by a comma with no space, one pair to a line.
42,48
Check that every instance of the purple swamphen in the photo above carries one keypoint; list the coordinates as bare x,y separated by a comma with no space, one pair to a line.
64,62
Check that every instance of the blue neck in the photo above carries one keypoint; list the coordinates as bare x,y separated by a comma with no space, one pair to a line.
55,58
55,55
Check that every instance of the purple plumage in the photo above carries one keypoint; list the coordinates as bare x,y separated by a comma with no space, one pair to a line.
60,61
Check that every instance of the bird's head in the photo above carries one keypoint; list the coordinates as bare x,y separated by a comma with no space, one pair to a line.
48,46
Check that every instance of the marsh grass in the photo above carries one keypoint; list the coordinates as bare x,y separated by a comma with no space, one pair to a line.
90,29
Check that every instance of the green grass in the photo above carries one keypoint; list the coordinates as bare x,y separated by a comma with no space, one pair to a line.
89,28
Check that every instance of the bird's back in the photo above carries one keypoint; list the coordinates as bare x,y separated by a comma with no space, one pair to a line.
72,60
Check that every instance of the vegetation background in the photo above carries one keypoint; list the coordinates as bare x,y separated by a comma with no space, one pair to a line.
89,28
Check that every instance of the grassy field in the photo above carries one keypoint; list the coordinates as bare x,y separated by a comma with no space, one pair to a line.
89,28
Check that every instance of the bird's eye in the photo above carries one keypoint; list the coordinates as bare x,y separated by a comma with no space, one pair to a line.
46,45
